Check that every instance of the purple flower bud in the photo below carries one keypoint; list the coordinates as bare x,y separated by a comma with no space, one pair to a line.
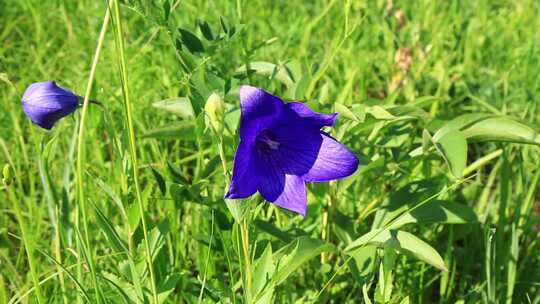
45,103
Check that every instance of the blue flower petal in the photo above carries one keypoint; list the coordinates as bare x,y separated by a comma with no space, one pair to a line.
333,161
244,178
259,109
319,120
311,154
299,146
285,190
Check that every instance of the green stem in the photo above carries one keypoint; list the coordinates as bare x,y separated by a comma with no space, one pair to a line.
81,156
207,259
247,257
27,244
222,157
244,232
132,143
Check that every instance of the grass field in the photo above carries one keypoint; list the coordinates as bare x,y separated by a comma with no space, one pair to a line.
123,203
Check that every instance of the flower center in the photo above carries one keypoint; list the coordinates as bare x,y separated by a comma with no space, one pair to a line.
267,141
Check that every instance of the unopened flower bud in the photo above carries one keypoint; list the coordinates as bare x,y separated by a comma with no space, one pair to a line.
45,103
214,111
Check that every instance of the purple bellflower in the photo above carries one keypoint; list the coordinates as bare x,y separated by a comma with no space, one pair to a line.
282,147
45,103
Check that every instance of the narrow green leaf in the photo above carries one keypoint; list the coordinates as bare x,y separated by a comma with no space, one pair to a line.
488,127
345,112
407,111
269,69
192,42
206,30
380,113
503,129
180,106
459,123
109,231
160,181
180,130
511,264
402,241
437,211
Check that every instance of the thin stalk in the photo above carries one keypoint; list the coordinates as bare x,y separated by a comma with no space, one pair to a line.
327,215
132,142
207,259
27,244
226,173
58,255
81,156
222,157
247,257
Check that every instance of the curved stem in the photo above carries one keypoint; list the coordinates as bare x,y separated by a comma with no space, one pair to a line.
119,39
81,155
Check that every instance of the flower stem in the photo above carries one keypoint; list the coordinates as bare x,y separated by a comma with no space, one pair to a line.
222,157
247,257
27,244
81,155
327,214
244,232
119,38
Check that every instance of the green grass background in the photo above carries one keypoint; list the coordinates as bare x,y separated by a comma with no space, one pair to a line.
453,57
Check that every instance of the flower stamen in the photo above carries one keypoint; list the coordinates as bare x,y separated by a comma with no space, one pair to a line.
267,141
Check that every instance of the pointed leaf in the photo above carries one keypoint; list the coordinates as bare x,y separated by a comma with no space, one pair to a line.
437,211
180,130
192,42
459,123
501,129
206,30
109,231
453,148
269,69
180,106
345,112
402,241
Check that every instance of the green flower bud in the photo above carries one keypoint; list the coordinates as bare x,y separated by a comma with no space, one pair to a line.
214,111
7,175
